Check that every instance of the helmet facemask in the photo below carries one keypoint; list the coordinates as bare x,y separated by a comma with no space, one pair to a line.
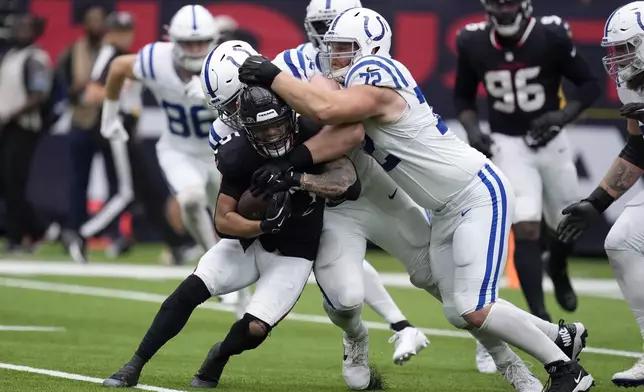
273,138
316,28
340,55
508,17
624,61
228,112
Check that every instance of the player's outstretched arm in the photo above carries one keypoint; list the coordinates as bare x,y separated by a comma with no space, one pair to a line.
339,181
121,68
229,224
353,104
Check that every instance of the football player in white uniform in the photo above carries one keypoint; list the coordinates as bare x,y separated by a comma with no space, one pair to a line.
340,263
624,37
468,196
170,70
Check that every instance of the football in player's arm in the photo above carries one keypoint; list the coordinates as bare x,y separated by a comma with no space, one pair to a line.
625,171
567,62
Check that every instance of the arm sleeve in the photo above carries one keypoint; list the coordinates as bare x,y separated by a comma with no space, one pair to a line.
467,80
230,187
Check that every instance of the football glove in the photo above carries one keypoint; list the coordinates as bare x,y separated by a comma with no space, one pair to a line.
267,176
545,128
578,218
277,213
482,142
634,111
258,70
111,125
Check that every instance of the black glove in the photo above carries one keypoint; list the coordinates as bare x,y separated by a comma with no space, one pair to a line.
285,182
267,176
545,128
578,218
634,111
277,212
258,70
482,142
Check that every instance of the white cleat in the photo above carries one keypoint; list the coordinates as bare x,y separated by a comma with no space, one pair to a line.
484,361
407,343
521,378
633,377
355,366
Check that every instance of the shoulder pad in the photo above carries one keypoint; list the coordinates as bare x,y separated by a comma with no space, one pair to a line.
556,25
149,59
295,63
218,131
378,71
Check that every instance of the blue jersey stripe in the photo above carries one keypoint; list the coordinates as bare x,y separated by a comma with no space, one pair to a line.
141,59
150,60
289,61
380,64
300,59
393,65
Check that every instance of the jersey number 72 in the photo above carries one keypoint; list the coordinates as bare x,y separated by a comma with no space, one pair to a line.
512,92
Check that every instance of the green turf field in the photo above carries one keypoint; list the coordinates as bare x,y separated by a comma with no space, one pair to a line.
103,327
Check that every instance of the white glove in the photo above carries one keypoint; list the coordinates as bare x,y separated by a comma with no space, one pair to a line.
111,126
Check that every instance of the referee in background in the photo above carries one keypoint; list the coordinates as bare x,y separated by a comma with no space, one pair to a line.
132,175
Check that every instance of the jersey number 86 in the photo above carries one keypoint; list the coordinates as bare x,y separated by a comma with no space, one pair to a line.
186,122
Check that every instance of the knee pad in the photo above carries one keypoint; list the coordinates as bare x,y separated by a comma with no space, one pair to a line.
454,317
246,334
191,293
192,198
341,312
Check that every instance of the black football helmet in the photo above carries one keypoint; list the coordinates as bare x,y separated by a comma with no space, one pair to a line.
269,123
509,17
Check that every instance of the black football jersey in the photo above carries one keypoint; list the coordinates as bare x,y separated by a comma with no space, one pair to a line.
522,81
237,160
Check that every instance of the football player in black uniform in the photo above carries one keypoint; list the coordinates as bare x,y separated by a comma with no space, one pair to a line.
275,253
521,61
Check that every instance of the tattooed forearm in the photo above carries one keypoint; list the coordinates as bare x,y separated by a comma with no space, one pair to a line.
338,176
621,177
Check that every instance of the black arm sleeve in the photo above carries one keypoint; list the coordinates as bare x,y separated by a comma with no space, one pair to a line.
575,68
467,80
633,151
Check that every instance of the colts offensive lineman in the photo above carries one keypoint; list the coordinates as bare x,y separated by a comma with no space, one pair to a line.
337,269
170,71
624,37
521,61
469,198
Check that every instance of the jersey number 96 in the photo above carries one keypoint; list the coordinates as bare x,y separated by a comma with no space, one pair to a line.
529,97
194,121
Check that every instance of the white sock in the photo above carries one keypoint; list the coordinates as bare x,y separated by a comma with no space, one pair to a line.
550,329
512,325
199,224
350,321
628,268
500,352
377,296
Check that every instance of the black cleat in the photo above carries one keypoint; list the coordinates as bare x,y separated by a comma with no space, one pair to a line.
568,377
125,377
210,372
565,294
571,339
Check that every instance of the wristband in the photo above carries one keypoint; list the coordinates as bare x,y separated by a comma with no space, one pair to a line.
600,199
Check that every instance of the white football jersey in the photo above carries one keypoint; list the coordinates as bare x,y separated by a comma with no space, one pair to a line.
188,118
629,96
313,53
418,150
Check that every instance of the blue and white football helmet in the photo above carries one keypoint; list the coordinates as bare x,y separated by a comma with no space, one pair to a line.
623,36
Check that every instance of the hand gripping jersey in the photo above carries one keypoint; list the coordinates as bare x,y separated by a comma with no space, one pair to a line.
188,119
522,82
237,160
418,150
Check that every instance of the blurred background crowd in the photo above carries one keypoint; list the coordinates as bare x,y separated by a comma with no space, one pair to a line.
56,171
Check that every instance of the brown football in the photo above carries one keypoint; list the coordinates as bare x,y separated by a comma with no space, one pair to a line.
251,207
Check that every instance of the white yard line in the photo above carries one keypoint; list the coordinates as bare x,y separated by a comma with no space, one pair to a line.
605,288
30,328
310,318
77,377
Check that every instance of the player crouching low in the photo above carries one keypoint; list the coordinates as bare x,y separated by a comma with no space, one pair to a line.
275,253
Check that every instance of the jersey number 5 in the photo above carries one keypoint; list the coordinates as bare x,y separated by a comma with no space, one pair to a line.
512,92
183,123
